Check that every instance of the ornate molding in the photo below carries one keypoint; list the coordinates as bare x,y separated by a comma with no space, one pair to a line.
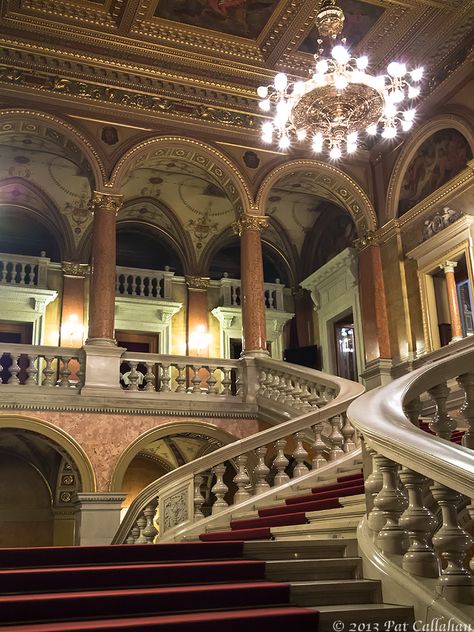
440,220
249,222
105,202
370,238
73,269
196,282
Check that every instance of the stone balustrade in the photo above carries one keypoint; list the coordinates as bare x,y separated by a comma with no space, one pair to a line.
138,282
231,289
22,270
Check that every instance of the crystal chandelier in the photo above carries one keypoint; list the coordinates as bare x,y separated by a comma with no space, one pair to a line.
340,99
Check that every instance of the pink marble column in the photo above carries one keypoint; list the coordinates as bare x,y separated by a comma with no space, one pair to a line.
105,207
254,339
453,305
198,316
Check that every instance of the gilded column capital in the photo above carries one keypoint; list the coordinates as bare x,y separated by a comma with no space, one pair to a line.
250,222
73,269
448,266
370,238
107,202
195,282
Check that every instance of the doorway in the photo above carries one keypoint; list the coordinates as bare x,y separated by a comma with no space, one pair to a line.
345,348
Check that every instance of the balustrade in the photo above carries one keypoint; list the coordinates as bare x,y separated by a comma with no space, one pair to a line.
143,283
231,294
23,271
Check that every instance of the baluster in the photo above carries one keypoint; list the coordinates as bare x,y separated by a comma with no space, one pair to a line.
264,380
211,381
219,489
452,543
466,382
226,382
238,381
441,424
261,472
149,531
21,273
14,370
373,485
133,376
149,377
133,535
347,431
391,502
413,410
314,396
419,522
241,479
48,372
304,395
300,455
198,498
196,380
318,447
64,372
133,285
141,524
180,379
280,463
32,371
3,278
81,373
165,378
335,439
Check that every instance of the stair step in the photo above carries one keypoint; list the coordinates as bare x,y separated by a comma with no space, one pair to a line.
304,569
307,549
335,592
252,620
364,613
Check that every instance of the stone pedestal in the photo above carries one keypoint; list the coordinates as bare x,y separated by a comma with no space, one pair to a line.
102,369
377,373
97,517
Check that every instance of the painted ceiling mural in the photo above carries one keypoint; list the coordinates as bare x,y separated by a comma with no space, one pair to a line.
245,18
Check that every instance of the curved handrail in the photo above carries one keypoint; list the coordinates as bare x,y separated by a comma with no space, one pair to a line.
345,392
379,416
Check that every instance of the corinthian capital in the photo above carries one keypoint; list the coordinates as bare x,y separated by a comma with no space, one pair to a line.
106,202
250,222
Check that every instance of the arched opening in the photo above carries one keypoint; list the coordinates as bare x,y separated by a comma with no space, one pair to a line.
23,233
227,261
138,247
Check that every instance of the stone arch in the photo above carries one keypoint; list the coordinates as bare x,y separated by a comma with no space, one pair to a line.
26,120
330,182
160,432
59,437
463,124
219,166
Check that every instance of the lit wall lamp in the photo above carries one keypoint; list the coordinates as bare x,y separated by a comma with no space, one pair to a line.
199,340
72,331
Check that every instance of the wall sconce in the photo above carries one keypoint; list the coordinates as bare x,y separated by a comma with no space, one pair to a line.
199,339
72,331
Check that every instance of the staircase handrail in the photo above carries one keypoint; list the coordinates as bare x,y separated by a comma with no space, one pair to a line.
345,392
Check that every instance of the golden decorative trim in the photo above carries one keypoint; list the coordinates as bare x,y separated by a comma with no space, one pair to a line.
72,269
370,238
105,202
249,222
196,282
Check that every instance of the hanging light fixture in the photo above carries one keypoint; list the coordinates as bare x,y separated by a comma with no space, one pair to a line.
340,100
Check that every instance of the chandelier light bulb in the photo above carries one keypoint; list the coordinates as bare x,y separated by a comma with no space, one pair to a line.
301,134
379,82
397,96
335,153
406,125
322,66
284,142
267,128
390,110
340,82
413,92
362,62
280,82
340,54
265,105
389,132
351,148
267,139
262,92
417,74
317,143
372,130
396,69
409,115
299,88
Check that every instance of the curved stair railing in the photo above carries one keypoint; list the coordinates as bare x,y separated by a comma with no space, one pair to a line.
420,491
309,409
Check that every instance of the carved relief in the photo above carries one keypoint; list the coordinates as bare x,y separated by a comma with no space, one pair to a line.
175,510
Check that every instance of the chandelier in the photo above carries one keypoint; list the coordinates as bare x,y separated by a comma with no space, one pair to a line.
340,99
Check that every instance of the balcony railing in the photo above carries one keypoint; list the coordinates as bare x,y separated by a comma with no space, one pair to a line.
139,282
231,294
23,271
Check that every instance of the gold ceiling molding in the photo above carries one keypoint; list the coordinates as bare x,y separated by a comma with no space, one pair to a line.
33,121
78,12
214,163
411,146
249,222
105,203
341,187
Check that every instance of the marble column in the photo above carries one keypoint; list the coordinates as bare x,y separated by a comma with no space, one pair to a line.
197,316
72,311
453,305
105,207
254,339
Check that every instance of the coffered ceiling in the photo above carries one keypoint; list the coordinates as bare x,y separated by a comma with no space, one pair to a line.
198,62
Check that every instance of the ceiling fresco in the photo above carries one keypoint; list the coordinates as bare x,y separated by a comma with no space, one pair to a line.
244,18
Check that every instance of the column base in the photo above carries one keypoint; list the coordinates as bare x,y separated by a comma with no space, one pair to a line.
97,517
455,339
105,342
255,353
377,373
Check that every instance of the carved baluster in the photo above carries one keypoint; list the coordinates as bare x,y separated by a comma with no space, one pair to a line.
318,447
133,535
289,391
419,522
32,371
261,472
466,382
149,531
412,411
80,373
64,372
305,395
14,370
220,489
281,388
300,455
391,502
373,485
347,431
335,439
280,463
241,479
265,380
3,278
441,424
149,377
195,380
226,381
451,543
133,285
133,376
165,378
181,379
211,381
198,498
21,273
141,524
314,396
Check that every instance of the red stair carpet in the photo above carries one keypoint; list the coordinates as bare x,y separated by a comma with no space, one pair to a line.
291,512
171,587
